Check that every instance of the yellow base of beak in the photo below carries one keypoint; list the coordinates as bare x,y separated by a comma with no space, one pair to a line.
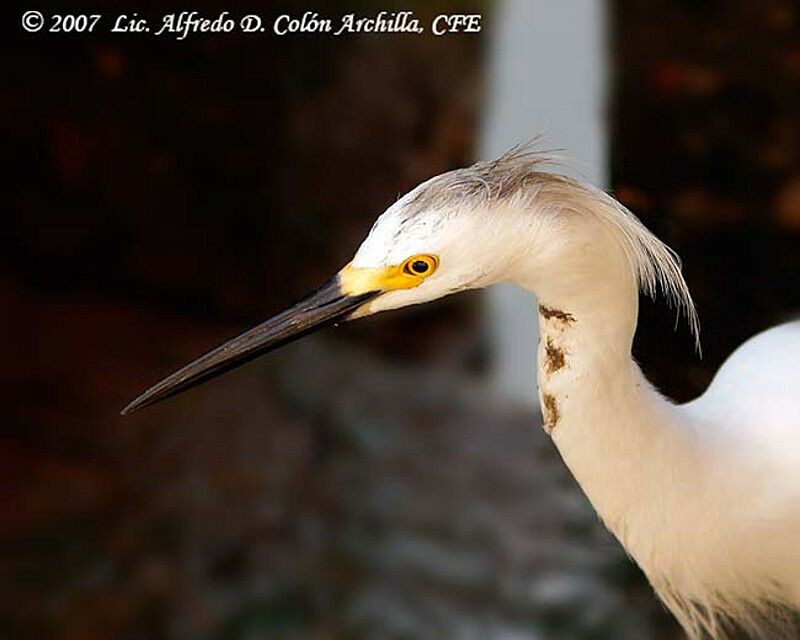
359,280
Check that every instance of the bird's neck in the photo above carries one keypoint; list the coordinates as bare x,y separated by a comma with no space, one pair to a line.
616,433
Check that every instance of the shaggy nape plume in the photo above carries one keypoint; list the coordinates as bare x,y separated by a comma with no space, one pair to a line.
519,174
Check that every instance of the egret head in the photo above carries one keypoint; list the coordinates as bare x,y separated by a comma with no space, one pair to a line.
498,221
440,238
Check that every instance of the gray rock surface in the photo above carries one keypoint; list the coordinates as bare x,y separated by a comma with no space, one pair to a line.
366,500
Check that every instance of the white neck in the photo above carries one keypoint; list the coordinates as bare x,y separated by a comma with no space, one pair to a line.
622,440
678,504
672,498
605,418
609,424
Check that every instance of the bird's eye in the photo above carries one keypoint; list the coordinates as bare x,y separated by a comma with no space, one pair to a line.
420,265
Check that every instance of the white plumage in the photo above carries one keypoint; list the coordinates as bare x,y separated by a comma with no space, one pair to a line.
704,496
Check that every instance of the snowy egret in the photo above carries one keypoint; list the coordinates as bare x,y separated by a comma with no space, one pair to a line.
704,496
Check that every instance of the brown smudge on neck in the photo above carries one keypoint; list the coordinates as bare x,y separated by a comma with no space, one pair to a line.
550,313
550,412
555,357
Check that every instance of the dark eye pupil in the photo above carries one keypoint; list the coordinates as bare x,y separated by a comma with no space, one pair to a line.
419,266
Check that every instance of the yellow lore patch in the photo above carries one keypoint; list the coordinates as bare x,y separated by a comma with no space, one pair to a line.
355,281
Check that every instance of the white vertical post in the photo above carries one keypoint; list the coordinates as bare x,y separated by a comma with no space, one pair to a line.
547,75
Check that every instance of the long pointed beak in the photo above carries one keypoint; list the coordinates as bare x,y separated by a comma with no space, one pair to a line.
323,307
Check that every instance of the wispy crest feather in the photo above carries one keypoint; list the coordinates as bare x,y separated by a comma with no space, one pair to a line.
519,174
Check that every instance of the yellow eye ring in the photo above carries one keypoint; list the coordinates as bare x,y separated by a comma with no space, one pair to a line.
420,266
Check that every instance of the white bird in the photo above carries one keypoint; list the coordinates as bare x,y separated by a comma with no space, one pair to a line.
705,496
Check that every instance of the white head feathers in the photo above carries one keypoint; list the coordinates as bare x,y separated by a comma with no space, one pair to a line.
434,209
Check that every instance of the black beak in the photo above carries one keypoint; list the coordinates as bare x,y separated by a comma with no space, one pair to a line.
323,307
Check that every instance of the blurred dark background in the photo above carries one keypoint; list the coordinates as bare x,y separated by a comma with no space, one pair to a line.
161,195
